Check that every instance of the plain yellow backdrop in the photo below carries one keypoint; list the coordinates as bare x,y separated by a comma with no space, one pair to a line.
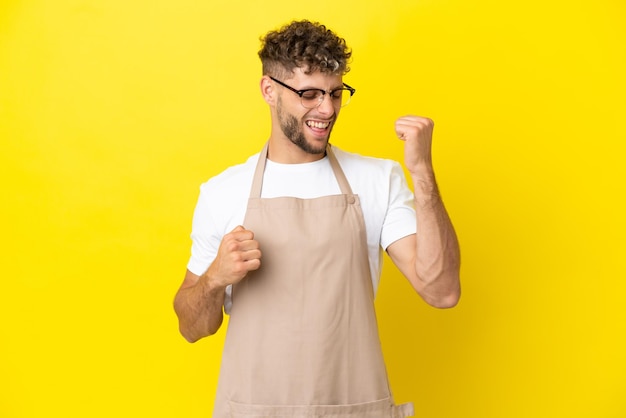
113,112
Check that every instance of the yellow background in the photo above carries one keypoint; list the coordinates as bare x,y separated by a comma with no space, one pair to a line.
113,112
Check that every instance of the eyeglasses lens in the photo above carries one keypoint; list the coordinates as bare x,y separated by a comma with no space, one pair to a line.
312,99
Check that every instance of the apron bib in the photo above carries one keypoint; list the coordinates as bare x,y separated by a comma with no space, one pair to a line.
302,337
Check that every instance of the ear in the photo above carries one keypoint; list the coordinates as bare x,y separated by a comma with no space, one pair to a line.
268,91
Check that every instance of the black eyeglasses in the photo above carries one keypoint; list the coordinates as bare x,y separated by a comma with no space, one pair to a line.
312,98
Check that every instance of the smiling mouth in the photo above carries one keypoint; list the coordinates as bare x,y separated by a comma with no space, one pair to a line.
317,125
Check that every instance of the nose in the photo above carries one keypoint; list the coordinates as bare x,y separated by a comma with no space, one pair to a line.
326,105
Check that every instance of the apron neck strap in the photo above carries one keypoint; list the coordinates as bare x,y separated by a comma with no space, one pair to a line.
344,186
257,181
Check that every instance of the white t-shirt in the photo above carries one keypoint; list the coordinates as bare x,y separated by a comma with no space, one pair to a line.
386,201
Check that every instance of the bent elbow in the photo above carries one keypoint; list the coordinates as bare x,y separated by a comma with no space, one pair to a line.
446,302
443,299
193,336
189,336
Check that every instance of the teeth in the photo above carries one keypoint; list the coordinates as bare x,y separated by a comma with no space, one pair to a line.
319,125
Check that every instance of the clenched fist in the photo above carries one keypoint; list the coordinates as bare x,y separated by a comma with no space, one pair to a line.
417,133
237,255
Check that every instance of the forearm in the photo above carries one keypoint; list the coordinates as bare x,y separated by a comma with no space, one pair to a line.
199,309
437,259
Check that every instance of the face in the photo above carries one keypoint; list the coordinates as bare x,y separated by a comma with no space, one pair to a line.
309,129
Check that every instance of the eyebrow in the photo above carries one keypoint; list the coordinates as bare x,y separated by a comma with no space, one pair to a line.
321,89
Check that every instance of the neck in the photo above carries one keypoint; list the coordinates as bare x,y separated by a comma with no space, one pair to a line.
283,151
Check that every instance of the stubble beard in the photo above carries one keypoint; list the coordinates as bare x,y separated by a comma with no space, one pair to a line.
291,128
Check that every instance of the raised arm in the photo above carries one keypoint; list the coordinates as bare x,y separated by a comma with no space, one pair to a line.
199,300
430,259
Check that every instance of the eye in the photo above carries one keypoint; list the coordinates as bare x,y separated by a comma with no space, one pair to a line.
310,94
336,94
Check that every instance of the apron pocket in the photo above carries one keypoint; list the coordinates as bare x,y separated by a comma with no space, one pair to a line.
383,408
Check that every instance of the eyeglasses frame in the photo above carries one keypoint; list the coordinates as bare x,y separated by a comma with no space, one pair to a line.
324,92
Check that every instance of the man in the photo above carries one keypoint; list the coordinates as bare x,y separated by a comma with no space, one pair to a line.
289,244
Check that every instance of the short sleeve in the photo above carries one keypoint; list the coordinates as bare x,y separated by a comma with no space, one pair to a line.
204,245
400,218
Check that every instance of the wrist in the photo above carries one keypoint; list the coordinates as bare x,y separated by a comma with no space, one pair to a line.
425,190
421,168
212,284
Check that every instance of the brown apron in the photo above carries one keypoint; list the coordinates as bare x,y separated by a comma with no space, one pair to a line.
302,338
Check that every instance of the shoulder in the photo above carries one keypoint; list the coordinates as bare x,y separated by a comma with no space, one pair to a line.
233,179
378,181
357,165
222,201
